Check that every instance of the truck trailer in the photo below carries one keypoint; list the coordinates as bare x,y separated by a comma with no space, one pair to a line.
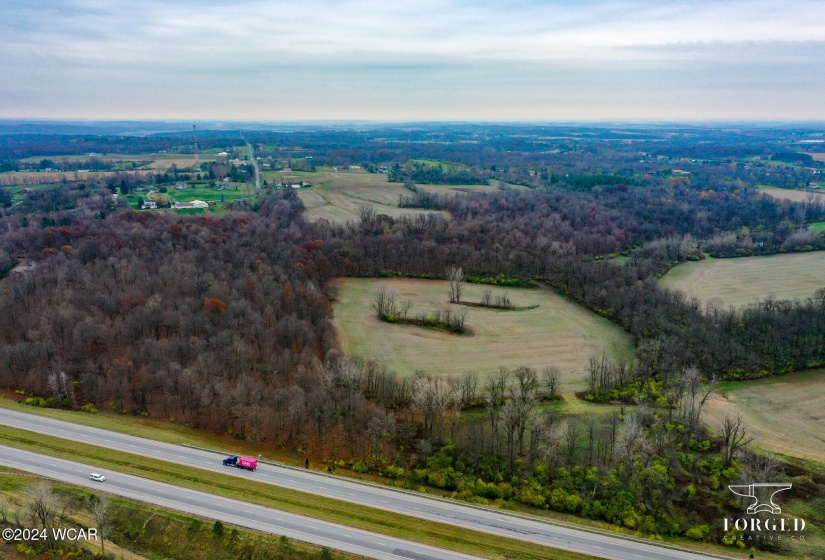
248,463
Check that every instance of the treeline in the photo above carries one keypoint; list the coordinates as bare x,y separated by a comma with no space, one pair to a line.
437,175
21,146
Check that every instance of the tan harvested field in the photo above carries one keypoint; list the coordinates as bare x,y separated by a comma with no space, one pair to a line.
744,280
795,195
818,156
557,332
338,196
25,178
180,160
785,414
461,189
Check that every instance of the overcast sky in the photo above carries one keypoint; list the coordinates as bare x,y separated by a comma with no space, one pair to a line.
502,60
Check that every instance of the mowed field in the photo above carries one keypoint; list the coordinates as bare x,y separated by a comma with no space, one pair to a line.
792,194
557,332
785,414
744,280
338,195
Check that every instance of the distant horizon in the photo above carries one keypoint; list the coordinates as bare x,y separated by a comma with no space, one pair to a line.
298,122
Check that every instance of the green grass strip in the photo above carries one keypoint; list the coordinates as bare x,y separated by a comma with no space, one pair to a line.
397,525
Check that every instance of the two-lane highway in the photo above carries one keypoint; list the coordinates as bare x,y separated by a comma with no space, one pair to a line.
540,532
239,513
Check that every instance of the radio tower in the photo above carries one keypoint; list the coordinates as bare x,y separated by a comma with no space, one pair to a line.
197,155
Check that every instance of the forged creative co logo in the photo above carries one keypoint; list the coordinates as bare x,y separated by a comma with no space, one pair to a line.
763,528
763,494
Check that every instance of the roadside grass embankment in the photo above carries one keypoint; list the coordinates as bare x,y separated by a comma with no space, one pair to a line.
139,532
362,517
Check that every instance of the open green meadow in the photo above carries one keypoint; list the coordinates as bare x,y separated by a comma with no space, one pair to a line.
785,414
556,332
740,281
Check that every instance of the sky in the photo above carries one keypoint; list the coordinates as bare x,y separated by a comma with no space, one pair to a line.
429,60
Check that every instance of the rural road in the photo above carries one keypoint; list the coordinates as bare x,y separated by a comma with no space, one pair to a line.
322,533
254,163
414,505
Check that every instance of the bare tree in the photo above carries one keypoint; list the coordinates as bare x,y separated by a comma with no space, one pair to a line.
45,508
631,441
405,308
553,433
495,388
100,508
431,397
551,377
757,467
455,277
693,397
367,214
570,438
384,303
734,436
468,384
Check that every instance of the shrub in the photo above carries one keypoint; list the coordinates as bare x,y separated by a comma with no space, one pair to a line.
393,472
360,467
699,532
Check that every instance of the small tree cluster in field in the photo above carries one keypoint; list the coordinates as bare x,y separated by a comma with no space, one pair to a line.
387,306
444,320
389,309
499,302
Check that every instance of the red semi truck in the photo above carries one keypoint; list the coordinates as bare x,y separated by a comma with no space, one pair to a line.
248,463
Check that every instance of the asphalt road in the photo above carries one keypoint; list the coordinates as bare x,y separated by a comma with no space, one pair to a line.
595,544
336,537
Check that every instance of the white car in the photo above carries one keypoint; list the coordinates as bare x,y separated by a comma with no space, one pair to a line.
97,477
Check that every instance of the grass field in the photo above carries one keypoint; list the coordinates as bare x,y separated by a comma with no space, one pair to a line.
338,195
461,189
785,414
791,194
818,227
556,332
741,281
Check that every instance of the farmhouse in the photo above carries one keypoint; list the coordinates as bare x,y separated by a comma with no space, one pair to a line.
193,204
149,205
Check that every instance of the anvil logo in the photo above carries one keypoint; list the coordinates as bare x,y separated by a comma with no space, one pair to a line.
763,494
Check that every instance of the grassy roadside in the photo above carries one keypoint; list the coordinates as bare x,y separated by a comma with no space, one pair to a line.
344,513
163,430
140,532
